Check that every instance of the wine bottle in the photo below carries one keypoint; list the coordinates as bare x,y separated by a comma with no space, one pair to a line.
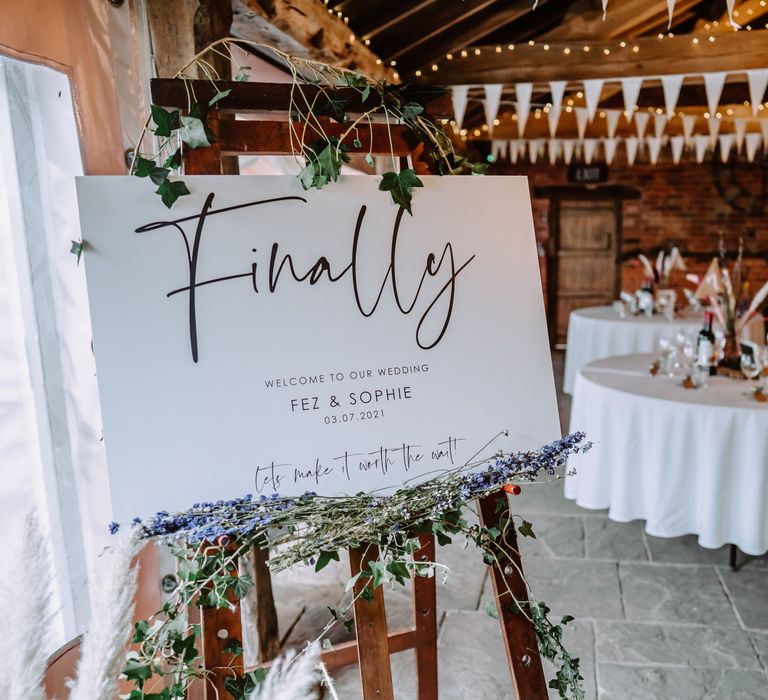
705,345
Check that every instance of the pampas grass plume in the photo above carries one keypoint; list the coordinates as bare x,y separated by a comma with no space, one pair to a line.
292,678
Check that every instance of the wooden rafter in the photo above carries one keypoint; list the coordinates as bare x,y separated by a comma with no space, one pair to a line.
733,52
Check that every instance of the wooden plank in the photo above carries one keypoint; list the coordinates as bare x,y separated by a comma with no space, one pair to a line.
171,25
345,654
265,97
371,629
425,621
261,137
306,28
518,632
259,605
733,52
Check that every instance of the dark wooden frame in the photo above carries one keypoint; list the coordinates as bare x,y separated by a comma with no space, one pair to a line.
568,193
374,643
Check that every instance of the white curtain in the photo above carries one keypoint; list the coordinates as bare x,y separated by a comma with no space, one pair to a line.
51,454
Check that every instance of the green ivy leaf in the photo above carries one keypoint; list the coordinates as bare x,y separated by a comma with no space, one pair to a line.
366,594
327,644
220,95
77,249
234,647
173,161
566,619
332,107
170,191
379,572
193,132
325,558
242,74
411,110
241,585
526,529
349,625
159,175
369,160
135,670
400,186
490,609
166,122
144,166
357,143
140,629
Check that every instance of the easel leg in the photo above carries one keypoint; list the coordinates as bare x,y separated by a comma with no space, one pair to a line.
259,606
518,632
371,629
425,621
219,625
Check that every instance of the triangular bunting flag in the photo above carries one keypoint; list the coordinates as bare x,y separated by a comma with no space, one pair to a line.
522,147
533,150
630,89
553,117
758,81
729,4
568,145
592,91
630,143
641,121
654,148
689,121
491,104
605,7
612,121
726,143
498,150
581,120
553,147
590,146
713,84
671,85
753,143
609,146
557,89
677,143
701,143
523,93
714,128
659,122
514,150
459,95
739,129
670,12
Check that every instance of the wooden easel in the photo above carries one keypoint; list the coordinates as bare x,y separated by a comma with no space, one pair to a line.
374,643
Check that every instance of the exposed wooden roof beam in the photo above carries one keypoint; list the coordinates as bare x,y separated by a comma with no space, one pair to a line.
734,52
304,28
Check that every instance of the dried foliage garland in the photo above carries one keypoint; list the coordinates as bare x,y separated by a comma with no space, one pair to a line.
208,539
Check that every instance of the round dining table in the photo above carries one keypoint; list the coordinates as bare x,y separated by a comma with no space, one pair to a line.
595,332
686,461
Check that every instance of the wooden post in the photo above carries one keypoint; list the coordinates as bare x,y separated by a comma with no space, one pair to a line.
371,629
519,633
425,622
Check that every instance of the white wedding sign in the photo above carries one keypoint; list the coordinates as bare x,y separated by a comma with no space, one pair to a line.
259,338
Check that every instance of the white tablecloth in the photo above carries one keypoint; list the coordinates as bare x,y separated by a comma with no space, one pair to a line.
687,461
598,331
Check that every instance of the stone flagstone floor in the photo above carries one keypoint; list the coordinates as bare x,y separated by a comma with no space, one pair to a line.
656,619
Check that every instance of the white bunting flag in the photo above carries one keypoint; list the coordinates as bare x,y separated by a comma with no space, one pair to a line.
714,128
612,121
553,149
753,143
701,143
590,147
568,145
592,91
605,8
581,120
498,150
729,4
514,150
557,89
654,148
459,96
713,84
491,104
689,121
739,129
522,146
758,81
534,150
630,143
726,143
677,143
659,122
630,89
641,121
671,85
670,12
523,93
609,147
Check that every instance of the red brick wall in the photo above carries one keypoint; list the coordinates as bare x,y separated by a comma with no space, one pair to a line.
679,205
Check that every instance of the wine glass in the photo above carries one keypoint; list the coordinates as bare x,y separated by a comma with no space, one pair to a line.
751,365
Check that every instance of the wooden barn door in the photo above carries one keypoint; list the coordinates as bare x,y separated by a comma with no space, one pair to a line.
587,274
